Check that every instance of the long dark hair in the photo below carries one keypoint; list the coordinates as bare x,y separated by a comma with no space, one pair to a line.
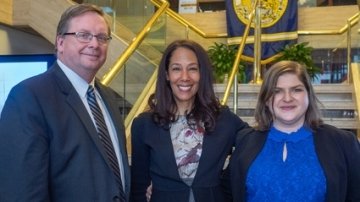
206,105
263,115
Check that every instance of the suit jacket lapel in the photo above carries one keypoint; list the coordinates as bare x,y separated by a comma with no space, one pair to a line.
77,105
165,137
209,146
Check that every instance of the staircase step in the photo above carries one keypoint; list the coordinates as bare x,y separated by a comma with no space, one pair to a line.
332,89
336,103
332,96
325,104
344,123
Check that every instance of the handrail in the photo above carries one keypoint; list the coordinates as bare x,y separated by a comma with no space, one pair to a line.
353,20
187,24
138,107
140,103
159,3
238,56
144,95
350,23
163,6
119,64
356,83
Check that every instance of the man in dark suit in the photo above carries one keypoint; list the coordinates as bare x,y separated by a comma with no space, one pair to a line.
57,141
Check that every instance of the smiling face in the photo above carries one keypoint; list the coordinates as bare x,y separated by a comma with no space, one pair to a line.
184,76
289,103
83,58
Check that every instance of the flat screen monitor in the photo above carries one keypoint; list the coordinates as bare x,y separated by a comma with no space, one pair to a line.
15,68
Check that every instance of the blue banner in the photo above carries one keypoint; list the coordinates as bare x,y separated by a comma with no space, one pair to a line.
278,21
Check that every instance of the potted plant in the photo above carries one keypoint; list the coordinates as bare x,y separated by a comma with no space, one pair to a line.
301,53
222,57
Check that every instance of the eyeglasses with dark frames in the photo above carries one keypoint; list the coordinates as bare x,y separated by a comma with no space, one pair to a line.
86,37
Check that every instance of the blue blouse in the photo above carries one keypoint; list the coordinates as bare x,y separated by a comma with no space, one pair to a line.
298,177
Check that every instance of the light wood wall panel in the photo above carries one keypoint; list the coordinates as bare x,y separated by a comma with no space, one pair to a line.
311,18
328,18
14,12
44,19
6,12
21,12
325,18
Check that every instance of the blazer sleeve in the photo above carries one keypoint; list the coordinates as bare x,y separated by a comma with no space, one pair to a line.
351,149
339,154
24,154
241,126
232,178
140,160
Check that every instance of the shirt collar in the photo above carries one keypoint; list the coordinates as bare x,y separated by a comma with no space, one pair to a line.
296,136
80,85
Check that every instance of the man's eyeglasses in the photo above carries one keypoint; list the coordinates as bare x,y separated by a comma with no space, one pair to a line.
86,37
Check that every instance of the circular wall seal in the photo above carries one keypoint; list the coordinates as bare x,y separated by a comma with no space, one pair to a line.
271,11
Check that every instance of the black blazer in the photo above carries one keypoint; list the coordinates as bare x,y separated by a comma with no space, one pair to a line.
338,152
153,161
49,148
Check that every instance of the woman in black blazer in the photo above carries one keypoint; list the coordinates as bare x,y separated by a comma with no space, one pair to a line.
293,156
180,145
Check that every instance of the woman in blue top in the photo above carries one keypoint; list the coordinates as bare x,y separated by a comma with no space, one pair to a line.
293,156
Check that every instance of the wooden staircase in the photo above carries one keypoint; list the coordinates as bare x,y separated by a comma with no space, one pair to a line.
337,103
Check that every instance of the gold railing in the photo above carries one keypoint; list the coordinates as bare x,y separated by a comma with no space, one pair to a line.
355,74
188,24
163,7
238,56
139,105
346,28
119,64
